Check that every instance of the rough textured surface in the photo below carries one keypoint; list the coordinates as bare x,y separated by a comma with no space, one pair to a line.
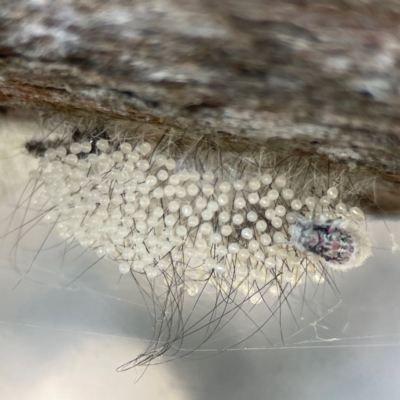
322,73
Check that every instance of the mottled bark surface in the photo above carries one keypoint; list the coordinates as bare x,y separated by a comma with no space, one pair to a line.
324,74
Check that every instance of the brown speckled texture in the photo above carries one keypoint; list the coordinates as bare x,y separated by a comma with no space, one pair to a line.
323,75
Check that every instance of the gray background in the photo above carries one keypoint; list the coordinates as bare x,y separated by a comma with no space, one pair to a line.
61,342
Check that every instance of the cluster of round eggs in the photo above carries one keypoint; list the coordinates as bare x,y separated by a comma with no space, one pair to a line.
136,206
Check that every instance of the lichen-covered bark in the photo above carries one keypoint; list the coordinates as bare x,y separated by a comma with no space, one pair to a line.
324,74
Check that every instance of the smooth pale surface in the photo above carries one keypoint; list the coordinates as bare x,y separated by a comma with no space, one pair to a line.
67,343
97,324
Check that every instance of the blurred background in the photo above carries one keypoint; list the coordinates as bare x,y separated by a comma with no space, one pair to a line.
313,76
